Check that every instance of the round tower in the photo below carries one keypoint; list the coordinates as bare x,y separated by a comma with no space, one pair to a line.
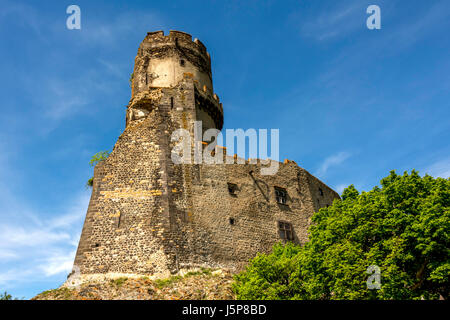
162,61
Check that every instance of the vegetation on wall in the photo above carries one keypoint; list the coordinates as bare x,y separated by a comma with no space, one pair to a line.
131,79
96,158
402,228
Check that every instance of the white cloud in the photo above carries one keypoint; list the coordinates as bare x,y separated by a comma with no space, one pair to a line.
80,88
36,245
439,169
31,236
339,21
340,188
413,30
22,15
331,161
33,251
115,69
58,262
14,275
66,99
113,30
7,255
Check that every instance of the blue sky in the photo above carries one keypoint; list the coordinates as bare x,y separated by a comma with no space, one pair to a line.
351,103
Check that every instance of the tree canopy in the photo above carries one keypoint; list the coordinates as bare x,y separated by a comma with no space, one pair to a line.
400,229
6,296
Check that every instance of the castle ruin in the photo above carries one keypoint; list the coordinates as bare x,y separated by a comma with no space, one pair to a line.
149,216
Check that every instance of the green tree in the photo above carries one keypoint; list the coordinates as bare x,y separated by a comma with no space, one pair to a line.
6,296
96,158
402,227
350,192
269,276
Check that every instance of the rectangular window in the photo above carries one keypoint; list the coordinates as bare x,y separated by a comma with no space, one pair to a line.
285,230
280,195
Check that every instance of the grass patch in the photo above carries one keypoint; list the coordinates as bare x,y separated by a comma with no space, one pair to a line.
119,281
202,271
59,294
162,283
206,271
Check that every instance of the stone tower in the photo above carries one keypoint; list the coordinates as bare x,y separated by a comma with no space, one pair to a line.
165,62
150,216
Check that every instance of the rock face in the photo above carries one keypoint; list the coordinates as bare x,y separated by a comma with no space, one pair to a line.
199,285
150,216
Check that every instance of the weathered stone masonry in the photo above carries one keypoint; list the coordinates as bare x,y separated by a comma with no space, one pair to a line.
148,215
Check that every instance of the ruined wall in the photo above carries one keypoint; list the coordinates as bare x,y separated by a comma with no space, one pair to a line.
148,215
238,226
147,222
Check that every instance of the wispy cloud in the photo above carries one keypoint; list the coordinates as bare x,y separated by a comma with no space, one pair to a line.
7,254
76,84
24,16
440,168
111,31
417,28
338,21
61,98
66,99
331,161
33,251
340,188
60,261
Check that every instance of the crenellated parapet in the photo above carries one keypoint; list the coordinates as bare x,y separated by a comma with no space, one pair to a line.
184,39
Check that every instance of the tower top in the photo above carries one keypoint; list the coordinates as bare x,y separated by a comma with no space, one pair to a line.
164,60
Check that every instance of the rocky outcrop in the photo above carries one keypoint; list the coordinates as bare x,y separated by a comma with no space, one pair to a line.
195,285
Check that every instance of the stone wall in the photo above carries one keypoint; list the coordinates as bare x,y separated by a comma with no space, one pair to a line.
150,216
233,228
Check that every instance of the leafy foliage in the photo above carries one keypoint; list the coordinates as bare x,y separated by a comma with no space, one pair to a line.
7,296
269,276
99,156
90,182
402,227
131,79
350,193
96,158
